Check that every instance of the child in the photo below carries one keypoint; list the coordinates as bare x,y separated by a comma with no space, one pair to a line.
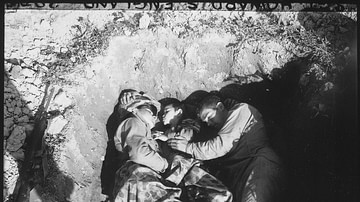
175,117
198,183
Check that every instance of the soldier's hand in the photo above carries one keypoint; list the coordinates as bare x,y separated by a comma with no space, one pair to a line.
187,133
128,97
162,138
179,143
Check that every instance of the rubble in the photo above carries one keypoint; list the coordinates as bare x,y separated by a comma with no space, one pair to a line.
9,122
16,71
16,139
26,72
18,155
28,61
56,125
6,132
61,100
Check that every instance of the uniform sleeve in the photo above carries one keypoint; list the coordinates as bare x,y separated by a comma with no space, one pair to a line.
131,138
231,132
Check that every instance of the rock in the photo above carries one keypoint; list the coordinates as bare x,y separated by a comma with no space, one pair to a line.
6,132
19,103
127,32
73,59
45,68
10,108
37,81
7,67
23,88
7,164
34,52
27,72
8,90
34,89
16,139
144,21
6,112
23,119
56,125
64,50
61,100
9,122
19,154
57,48
17,111
16,71
32,100
25,110
13,61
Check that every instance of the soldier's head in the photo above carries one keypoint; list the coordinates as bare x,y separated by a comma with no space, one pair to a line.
212,111
148,113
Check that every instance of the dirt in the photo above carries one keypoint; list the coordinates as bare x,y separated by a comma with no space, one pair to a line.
89,57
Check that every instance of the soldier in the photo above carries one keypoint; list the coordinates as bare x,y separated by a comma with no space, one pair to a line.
240,152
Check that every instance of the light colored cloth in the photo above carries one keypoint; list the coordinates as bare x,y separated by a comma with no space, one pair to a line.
240,156
134,137
240,120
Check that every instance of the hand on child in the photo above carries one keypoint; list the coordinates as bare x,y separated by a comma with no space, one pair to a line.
179,143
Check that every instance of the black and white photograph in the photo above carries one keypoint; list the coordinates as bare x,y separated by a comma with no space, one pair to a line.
180,102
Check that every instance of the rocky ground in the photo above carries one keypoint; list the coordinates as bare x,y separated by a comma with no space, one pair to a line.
90,56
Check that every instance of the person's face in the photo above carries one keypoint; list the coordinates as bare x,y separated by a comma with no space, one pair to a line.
215,117
170,114
148,116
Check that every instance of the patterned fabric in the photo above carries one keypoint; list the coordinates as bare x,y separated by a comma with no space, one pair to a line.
199,184
180,167
139,183
134,182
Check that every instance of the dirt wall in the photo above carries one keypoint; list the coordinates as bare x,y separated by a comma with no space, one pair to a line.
89,57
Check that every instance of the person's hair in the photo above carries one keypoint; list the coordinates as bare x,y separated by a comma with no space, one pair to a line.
177,104
148,106
209,102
